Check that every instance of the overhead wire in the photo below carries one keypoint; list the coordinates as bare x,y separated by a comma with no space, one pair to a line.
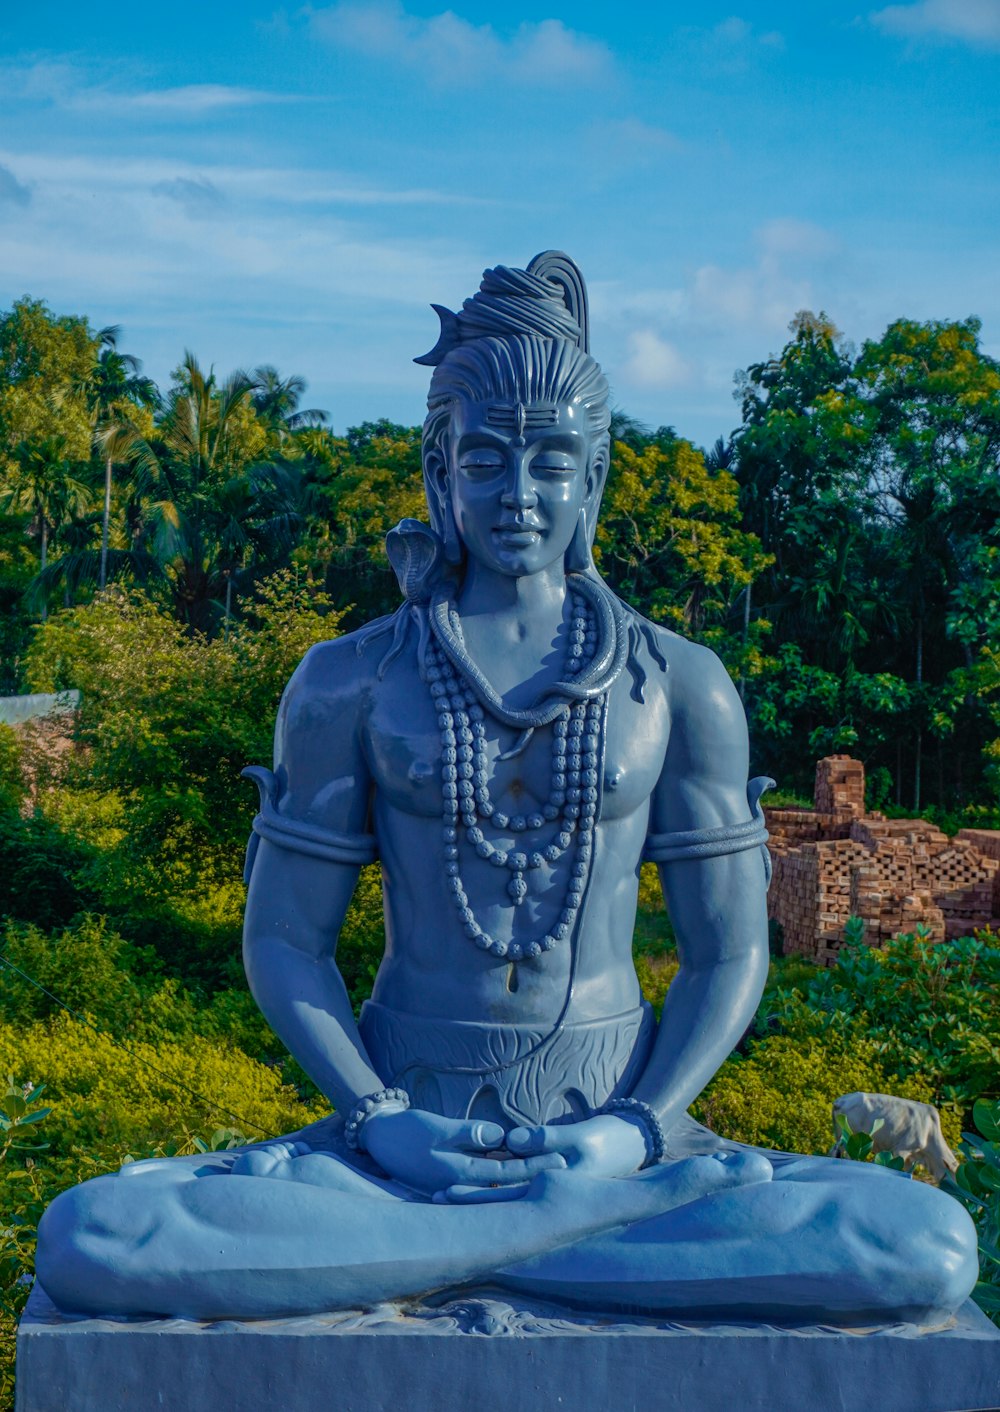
139,1058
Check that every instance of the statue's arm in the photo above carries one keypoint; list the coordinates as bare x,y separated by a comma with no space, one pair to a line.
717,904
297,900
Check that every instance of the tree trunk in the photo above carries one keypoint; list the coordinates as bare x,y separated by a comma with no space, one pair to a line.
746,633
916,773
229,607
105,523
45,560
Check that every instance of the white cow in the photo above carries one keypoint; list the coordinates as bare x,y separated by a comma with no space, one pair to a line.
910,1130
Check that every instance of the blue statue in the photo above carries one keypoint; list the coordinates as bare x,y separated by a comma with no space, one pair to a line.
512,743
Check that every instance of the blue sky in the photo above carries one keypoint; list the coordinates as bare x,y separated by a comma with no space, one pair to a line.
297,185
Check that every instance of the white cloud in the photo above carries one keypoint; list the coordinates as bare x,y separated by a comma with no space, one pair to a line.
974,21
191,98
12,192
196,196
640,138
733,39
292,186
452,50
796,239
654,362
66,85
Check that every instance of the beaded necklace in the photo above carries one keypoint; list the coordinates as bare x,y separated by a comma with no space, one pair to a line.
572,800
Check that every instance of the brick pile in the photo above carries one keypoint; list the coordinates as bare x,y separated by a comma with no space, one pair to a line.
835,861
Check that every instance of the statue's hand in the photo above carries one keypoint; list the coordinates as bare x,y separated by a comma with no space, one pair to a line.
430,1153
605,1146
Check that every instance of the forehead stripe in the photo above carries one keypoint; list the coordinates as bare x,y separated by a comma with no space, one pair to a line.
521,416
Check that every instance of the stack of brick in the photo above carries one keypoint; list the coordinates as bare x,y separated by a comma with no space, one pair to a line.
987,843
840,786
837,862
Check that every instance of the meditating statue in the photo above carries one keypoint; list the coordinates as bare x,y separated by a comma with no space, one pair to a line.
511,745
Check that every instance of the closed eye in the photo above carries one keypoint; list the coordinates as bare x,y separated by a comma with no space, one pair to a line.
481,465
559,465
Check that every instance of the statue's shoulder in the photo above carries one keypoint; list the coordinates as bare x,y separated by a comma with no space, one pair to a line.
694,680
333,684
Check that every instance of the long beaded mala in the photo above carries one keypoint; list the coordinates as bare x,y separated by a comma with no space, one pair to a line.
572,800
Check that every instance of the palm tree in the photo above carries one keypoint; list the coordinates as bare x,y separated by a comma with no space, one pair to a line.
42,484
276,402
190,481
113,385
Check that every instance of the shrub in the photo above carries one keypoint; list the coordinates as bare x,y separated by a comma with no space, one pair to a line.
929,1010
977,1186
106,1097
781,1093
13,786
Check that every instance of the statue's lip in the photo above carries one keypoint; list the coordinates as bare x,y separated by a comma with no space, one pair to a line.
518,531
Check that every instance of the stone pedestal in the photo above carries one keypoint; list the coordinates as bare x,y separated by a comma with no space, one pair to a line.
484,1352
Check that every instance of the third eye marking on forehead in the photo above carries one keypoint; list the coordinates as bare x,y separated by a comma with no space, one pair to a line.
517,416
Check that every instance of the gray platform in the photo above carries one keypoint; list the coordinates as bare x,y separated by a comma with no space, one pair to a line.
482,1352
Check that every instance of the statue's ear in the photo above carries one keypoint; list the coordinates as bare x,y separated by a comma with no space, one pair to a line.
436,474
597,475
439,503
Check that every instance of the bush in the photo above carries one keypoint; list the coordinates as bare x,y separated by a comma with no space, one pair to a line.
931,1011
109,1098
13,786
90,964
781,1093
977,1185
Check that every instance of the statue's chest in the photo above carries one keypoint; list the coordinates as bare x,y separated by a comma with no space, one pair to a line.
408,756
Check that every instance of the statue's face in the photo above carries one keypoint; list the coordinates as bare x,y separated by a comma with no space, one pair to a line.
518,476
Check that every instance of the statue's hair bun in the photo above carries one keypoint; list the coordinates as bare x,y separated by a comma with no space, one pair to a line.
548,300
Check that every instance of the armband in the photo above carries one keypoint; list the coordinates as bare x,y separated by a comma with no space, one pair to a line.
297,837
716,843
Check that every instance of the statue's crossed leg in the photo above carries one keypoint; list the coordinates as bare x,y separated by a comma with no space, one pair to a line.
292,1231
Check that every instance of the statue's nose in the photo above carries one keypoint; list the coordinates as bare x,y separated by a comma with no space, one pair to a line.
520,493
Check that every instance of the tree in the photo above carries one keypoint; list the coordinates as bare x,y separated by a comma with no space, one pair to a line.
113,389
931,402
185,480
44,363
669,537
43,485
276,402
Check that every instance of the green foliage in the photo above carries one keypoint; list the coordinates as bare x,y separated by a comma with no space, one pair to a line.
168,722
23,1197
977,1185
858,1144
928,1010
44,360
669,540
89,962
12,782
41,870
108,1097
781,1093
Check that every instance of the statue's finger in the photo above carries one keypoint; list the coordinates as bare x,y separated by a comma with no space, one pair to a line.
489,1173
481,1136
527,1141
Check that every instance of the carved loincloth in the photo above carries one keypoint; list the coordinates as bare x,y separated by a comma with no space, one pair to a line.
509,1074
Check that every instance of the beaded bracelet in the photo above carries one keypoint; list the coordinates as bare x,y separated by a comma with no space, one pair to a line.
364,1109
656,1140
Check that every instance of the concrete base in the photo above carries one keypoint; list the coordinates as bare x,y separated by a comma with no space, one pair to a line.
484,1351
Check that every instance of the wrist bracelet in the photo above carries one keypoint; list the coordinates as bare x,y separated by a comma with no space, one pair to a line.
656,1140
364,1109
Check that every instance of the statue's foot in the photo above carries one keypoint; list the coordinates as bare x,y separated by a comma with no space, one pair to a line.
639,1197
274,1160
673,1184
